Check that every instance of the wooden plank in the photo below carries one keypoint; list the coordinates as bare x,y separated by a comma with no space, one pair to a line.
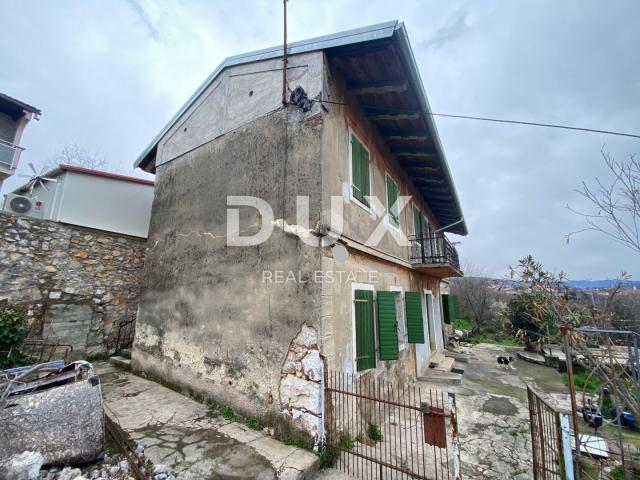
393,116
377,88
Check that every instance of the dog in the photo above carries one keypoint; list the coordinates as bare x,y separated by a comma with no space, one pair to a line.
506,362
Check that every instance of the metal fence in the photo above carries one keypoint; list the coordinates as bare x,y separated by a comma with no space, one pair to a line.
382,430
550,440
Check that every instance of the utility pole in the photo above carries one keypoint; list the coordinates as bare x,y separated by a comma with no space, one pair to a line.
566,330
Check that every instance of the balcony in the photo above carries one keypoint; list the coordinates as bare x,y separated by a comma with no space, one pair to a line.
434,254
9,154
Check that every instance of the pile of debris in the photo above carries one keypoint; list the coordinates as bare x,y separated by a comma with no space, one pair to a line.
52,420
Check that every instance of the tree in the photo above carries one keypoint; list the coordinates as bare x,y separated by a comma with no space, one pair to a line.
616,202
475,294
74,154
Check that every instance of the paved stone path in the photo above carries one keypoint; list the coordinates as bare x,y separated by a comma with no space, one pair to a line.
493,416
180,433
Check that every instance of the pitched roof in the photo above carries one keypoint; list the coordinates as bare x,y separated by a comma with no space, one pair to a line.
373,55
7,100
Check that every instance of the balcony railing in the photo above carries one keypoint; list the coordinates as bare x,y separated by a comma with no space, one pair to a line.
8,154
433,250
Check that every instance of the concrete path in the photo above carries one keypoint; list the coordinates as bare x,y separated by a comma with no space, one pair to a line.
180,433
493,415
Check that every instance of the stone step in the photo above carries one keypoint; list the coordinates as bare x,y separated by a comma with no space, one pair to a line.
120,362
436,358
436,376
459,357
444,365
125,352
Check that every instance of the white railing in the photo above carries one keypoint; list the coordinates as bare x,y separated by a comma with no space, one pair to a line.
8,154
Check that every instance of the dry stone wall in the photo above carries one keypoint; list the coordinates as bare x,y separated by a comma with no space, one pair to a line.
75,284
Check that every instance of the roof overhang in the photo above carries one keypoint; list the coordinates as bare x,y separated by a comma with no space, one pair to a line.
392,97
15,107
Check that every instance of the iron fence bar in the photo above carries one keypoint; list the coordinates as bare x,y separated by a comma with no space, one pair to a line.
372,398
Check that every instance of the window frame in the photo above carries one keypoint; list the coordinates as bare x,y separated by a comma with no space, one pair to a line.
402,339
351,196
388,176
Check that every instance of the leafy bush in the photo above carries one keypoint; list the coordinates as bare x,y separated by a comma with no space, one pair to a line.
328,456
374,433
346,441
462,324
13,330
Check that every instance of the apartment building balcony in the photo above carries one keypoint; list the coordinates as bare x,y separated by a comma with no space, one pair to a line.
9,154
434,254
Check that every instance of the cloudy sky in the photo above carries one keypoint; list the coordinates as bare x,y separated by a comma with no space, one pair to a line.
109,74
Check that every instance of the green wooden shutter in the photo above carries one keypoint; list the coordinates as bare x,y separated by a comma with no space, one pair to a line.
415,325
387,326
450,306
365,338
392,196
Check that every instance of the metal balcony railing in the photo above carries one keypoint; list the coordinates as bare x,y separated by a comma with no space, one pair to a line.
433,249
8,155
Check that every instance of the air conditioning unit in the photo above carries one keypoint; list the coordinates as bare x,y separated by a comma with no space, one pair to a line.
23,205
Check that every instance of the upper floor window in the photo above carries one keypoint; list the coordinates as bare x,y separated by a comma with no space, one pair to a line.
360,176
392,197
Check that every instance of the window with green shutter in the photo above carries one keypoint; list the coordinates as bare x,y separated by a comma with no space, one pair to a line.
387,328
392,197
360,185
413,309
365,336
450,307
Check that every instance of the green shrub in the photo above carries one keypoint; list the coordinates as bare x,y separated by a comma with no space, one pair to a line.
462,324
374,433
13,330
328,456
346,441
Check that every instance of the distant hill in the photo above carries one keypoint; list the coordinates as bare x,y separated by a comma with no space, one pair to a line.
579,284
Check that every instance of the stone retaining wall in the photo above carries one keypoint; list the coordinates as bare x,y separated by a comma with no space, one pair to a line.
76,284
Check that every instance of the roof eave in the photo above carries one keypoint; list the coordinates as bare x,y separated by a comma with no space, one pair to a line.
407,52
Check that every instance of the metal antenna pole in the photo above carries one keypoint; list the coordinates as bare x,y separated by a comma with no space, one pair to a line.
284,57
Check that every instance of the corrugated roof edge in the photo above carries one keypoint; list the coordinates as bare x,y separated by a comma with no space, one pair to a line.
357,35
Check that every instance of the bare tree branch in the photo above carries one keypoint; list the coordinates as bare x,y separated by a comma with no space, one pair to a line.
616,203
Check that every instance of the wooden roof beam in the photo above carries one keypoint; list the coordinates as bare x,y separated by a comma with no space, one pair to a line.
376,115
377,88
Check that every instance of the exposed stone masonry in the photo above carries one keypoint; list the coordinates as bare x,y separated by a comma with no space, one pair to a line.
76,284
300,385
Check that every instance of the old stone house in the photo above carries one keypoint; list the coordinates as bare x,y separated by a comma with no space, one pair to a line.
256,326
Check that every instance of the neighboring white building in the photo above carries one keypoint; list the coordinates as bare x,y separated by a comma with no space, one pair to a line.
87,198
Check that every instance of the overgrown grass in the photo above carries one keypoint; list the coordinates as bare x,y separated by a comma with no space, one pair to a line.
346,441
328,456
475,339
462,324
583,382
229,413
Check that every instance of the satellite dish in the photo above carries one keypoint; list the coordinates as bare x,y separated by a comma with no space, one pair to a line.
20,204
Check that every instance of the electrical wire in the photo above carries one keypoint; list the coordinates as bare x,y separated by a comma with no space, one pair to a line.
484,119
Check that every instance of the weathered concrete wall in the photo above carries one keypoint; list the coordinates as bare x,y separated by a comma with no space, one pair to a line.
75,283
337,315
359,223
207,320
